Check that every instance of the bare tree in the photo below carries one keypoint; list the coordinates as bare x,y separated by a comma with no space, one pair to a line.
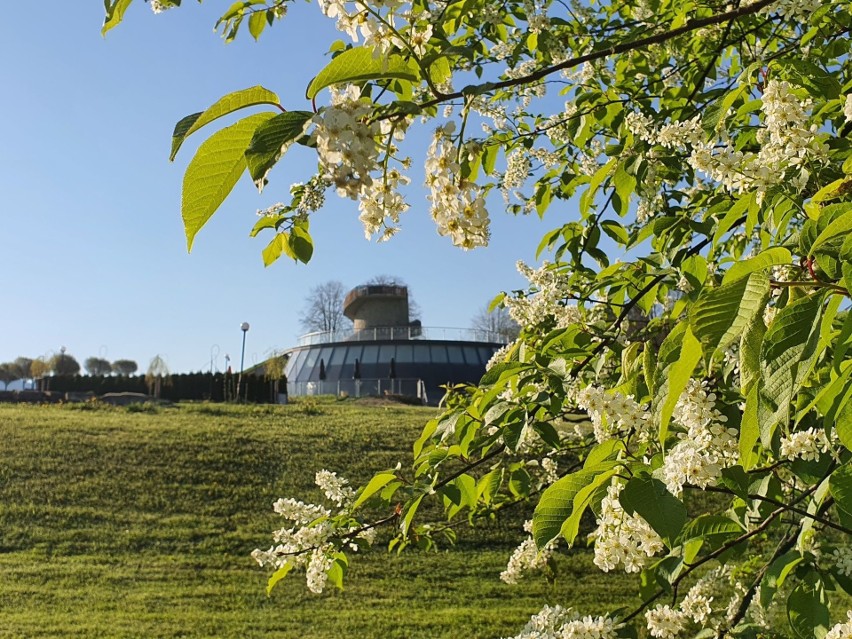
324,308
97,366
124,367
496,321
414,311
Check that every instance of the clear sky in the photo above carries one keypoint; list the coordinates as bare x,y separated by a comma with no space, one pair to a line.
90,229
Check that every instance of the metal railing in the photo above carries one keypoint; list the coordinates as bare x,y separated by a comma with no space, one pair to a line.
360,388
400,333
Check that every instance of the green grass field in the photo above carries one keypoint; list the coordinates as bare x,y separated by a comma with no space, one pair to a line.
125,523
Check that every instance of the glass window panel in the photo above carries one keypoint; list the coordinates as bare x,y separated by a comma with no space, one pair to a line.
485,353
471,356
352,353
421,354
337,354
404,354
386,352
295,362
371,355
311,360
455,353
439,354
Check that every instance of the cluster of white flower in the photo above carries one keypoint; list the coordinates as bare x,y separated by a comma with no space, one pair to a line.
306,541
381,204
158,6
499,356
787,142
614,412
622,540
349,152
346,142
537,19
313,195
799,10
518,167
841,630
556,622
458,206
806,444
526,558
492,110
706,447
336,489
547,302
298,511
847,108
665,622
841,560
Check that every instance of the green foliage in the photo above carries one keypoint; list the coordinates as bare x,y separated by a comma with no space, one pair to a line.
691,332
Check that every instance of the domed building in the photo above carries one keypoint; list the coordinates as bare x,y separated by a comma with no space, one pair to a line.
385,353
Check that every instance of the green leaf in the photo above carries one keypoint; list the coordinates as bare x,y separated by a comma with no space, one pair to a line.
777,574
843,423
213,172
300,244
360,64
749,429
277,576
739,210
789,347
409,516
750,343
710,526
274,249
676,379
373,486
264,222
114,14
770,257
650,499
625,184
257,23
271,140
225,105
840,486
807,612
839,227
180,132
557,503
571,526
721,315
338,570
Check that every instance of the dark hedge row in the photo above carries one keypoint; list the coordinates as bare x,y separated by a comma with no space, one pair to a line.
189,386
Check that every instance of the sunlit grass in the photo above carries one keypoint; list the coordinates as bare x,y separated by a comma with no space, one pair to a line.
129,523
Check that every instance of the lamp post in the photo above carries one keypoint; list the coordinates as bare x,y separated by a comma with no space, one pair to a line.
244,328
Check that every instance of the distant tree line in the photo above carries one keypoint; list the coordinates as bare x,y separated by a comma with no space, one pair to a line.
61,364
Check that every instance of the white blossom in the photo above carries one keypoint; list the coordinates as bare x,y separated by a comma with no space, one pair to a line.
622,540
336,488
806,444
664,622
841,630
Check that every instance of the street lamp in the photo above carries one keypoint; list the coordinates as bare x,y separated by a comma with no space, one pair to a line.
244,328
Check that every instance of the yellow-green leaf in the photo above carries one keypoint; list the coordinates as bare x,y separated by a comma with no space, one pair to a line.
213,172
358,65
225,105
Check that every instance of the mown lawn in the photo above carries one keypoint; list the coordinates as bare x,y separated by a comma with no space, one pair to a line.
125,523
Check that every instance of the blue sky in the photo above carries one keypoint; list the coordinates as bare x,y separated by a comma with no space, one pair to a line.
90,229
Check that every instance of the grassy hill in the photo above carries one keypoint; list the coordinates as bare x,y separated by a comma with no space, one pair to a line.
121,522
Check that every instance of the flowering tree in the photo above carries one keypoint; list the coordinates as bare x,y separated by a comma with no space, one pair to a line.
706,142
